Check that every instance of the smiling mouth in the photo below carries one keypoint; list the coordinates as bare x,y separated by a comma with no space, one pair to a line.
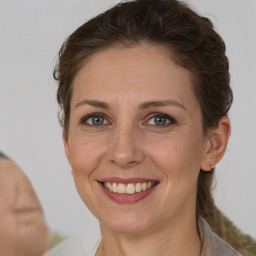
130,188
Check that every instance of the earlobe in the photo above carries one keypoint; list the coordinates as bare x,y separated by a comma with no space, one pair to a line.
216,144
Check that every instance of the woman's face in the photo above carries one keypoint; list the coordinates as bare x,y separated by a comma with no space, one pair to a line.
135,125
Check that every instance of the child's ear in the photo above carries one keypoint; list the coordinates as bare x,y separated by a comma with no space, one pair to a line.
216,144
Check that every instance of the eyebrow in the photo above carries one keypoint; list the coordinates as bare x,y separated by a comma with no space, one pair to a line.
162,103
144,105
25,209
94,103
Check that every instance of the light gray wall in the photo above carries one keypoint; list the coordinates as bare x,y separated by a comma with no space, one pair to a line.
31,33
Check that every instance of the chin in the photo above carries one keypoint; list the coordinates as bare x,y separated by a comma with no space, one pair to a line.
128,229
127,224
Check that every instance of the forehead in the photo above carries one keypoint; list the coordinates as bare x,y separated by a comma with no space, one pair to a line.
146,69
9,171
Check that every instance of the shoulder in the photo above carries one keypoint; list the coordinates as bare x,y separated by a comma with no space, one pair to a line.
212,244
221,248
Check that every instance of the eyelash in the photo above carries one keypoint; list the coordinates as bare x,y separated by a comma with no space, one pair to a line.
170,119
87,117
164,116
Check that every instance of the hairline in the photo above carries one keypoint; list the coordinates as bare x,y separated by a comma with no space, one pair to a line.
3,156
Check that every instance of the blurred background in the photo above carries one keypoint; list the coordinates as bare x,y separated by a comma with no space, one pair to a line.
31,33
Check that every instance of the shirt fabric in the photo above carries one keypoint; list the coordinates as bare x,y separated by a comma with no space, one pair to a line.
212,245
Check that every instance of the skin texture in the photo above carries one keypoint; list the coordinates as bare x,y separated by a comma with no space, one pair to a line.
130,145
23,230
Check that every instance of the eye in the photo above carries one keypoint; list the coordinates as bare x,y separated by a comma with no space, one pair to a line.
94,120
161,119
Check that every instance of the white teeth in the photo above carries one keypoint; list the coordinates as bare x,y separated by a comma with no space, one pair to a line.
114,188
109,186
138,187
121,188
130,188
144,186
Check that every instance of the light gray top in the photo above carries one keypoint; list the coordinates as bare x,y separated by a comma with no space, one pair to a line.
74,247
212,245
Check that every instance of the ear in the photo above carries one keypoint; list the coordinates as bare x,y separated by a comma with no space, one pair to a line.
66,144
217,140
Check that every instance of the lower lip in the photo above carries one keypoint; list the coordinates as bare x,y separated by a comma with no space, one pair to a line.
127,198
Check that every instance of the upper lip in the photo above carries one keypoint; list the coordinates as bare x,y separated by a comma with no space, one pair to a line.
127,180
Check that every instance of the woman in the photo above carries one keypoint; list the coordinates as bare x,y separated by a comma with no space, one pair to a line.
144,90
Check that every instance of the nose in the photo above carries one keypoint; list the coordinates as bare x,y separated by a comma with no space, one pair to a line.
125,149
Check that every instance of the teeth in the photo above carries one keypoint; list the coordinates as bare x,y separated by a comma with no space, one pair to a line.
114,188
121,188
130,188
109,186
138,187
144,186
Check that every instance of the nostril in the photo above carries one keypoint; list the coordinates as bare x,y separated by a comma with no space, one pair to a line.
133,163
125,164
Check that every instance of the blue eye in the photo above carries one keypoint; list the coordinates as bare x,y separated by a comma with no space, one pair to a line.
161,120
94,120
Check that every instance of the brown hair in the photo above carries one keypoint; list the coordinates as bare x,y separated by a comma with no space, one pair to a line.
2,155
190,38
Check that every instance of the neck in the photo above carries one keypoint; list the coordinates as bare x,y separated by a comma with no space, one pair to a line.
169,240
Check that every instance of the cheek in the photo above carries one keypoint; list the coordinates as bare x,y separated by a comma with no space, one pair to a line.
8,230
84,156
177,155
